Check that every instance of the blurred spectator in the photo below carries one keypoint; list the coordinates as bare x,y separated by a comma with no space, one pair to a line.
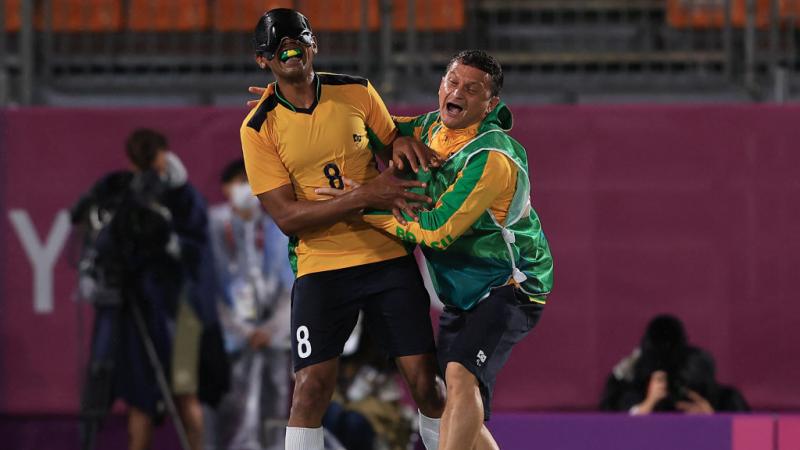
147,256
255,278
665,373
367,412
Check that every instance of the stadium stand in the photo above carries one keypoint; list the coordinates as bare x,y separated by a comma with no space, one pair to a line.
553,50
12,19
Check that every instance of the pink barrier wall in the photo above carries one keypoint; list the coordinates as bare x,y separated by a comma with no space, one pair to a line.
686,209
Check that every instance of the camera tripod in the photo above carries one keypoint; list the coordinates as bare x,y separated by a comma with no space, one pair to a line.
99,384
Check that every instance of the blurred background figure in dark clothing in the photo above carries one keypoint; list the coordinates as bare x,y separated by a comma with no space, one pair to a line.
255,280
666,374
147,267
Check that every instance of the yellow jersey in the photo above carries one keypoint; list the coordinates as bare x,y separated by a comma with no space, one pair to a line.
315,147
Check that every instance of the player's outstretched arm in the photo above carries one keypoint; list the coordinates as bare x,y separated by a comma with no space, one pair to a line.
462,204
384,192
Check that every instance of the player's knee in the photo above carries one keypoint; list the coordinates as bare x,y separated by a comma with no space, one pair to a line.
420,376
311,393
459,379
420,383
426,392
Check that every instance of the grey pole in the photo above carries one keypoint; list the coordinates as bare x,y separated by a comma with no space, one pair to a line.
26,53
387,88
411,41
750,45
46,77
363,40
774,56
781,84
727,40
3,58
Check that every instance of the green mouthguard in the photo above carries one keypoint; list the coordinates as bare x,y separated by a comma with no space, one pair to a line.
292,52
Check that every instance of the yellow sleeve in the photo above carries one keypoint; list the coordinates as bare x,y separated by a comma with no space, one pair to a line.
409,125
381,129
265,170
482,181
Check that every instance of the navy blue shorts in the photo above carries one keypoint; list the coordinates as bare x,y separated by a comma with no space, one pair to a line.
325,307
481,339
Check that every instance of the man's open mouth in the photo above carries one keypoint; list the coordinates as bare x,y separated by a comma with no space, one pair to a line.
291,53
452,108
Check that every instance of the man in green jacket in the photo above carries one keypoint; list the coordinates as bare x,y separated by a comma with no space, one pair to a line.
488,257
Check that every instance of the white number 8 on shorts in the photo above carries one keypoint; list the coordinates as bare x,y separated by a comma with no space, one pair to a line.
303,344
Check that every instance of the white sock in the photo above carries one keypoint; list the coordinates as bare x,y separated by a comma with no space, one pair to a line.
429,431
304,438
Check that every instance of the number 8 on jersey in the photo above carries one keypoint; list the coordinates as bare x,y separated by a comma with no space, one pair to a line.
334,176
303,344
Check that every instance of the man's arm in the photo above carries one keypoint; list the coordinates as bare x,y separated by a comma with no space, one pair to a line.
384,192
391,141
408,149
486,176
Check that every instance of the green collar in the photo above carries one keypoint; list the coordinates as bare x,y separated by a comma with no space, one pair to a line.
282,100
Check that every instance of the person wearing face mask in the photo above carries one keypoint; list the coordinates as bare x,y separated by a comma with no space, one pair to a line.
153,286
488,257
254,279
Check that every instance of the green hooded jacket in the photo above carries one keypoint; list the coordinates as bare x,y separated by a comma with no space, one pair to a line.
488,254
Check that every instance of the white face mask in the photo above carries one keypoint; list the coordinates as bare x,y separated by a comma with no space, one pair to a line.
242,197
175,175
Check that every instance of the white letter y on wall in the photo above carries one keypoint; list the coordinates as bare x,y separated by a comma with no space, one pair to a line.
42,258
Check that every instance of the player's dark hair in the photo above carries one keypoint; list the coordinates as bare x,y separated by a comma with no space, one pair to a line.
234,169
481,60
142,147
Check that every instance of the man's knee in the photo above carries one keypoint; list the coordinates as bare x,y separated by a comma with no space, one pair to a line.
422,384
313,390
140,429
420,374
191,412
459,379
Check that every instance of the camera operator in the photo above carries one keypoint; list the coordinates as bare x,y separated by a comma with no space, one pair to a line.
149,252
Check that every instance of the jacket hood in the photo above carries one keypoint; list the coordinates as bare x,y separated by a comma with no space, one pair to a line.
499,117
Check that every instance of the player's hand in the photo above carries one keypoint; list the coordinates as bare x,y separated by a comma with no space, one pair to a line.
696,404
349,185
398,214
388,192
409,150
258,339
259,91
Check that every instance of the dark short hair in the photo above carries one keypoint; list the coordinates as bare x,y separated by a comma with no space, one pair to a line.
234,169
143,145
664,334
481,60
